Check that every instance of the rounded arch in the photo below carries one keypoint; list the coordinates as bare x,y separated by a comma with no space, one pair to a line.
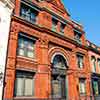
59,59
59,51
58,72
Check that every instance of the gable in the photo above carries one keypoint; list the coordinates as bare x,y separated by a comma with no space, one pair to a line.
58,5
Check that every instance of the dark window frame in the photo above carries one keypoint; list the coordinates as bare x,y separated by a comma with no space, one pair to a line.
24,75
62,27
30,41
54,24
28,12
77,36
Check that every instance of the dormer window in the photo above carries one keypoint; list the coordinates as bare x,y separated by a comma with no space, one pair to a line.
54,24
77,36
62,27
28,13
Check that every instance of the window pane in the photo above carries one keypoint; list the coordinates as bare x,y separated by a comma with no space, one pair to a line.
21,52
56,86
21,43
33,17
30,46
28,87
30,54
19,87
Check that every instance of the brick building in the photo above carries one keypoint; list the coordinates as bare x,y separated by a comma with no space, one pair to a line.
94,59
47,54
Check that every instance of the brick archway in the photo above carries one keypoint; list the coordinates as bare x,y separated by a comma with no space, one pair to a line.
58,73
57,50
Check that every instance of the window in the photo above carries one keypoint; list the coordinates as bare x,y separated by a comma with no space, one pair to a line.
80,60
82,87
99,62
25,46
93,60
24,84
95,87
58,86
59,62
77,36
62,27
28,13
58,77
54,24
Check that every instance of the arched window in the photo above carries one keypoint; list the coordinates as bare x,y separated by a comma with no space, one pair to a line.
59,62
59,68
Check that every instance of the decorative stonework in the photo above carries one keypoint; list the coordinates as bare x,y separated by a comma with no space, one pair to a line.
43,40
57,4
8,3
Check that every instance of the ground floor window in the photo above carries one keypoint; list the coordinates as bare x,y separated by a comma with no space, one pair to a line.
58,86
24,84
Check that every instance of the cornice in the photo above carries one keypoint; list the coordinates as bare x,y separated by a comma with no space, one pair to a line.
46,30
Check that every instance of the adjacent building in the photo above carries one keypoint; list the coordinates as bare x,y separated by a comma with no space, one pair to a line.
6,8
94,58
47,54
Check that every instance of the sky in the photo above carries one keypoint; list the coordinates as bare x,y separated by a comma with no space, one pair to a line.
86,12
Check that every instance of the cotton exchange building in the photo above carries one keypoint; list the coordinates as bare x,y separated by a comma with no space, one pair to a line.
47,54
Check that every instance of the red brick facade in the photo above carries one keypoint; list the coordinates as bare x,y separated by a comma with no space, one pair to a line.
48,44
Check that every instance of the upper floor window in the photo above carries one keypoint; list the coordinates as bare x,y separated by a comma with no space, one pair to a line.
99,62
54,24
28,13
26,46
80,60
62,27
24,84
95,87
77,36
93,60
82,86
